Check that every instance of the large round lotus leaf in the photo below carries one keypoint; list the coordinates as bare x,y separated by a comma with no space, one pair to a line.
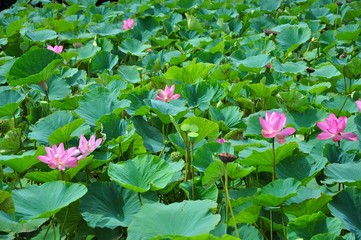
134,47
346,205
129,73
164,110
187,218
278,191
262,157
46,126
290,68
254,63
198,95
343,173
207,128
103,61
9,102
33,67
270,5
291,37
142,173
105,29
58,88
41,35
152,137
308,226
230,116
98,102
301,167
10,224
190,73
109,205
45,200
203,156
23,162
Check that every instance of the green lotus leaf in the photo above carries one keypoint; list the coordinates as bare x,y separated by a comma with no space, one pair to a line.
346,205
290,68
198,192
343,173
108,205
262,157
105,29
205,154
277,192
103,61
152,137
270,5
230,116
98,102
10,224
301,167
41,35
254,63
207,129
113,126
142,173
325,70
45,200
129,73
23,162
33,67
307,226
9,102
198,95
291,37
189,74
68,131
134,47
187,218
46,126
164,110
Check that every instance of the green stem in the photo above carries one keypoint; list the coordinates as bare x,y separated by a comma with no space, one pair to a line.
271,219
191,160
53,224
283,223
65,218
344,103
47,230
229,202
273,160
119,151
140,199
15,124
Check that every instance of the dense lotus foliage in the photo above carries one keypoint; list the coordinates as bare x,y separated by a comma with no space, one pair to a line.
180,119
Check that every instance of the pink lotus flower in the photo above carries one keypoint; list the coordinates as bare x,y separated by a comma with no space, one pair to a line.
86,147
221,140
56,48
273,127
128,24
358,104
333,128
58,157
167,94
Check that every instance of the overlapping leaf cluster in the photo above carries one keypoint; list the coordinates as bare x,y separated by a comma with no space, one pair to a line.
157,173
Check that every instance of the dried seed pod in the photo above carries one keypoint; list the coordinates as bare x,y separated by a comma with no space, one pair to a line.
227,157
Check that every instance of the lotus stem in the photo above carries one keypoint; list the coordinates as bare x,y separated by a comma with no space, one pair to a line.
283,223
271,219
273,160
140,199
228,203
191,160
